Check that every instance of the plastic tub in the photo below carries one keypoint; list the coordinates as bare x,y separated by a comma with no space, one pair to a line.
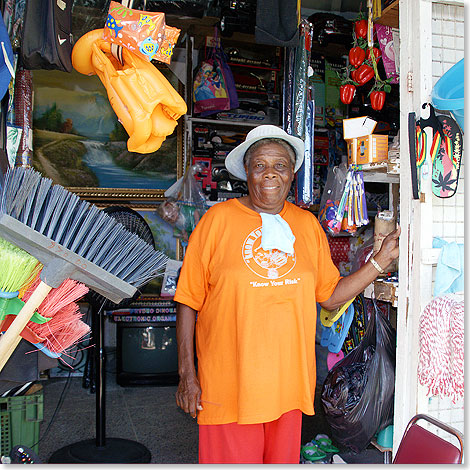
448,93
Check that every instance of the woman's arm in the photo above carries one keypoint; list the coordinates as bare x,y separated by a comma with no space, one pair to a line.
188,395
349,286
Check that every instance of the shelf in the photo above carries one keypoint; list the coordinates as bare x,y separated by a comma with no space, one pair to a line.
258,67
380,177
390,16
223,123
383,291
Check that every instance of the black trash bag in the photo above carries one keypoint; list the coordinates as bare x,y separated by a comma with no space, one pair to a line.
357,395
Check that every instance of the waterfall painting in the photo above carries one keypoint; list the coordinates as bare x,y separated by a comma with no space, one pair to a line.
79,143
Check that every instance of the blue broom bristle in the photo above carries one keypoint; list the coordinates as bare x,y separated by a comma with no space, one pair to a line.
79,226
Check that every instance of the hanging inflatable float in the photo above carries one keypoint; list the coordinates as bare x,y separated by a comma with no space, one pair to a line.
143,99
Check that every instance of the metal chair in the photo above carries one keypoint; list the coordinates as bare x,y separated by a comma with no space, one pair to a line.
418,445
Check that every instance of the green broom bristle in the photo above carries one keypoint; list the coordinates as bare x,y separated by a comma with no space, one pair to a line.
17,267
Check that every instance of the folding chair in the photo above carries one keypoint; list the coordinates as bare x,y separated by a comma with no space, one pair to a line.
418,445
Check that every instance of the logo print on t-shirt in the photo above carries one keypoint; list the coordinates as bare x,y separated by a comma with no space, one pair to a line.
271,264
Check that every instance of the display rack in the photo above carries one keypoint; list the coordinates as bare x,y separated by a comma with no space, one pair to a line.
390,15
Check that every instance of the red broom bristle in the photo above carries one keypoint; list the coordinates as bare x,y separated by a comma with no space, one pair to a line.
65,328
69,291
66,337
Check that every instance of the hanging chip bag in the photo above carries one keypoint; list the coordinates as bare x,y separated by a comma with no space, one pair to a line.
141,32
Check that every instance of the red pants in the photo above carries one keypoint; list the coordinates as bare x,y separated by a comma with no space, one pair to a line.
274,442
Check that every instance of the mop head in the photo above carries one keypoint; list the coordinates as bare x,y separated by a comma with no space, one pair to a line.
441,343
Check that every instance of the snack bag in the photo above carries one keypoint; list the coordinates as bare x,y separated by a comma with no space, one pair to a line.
141,32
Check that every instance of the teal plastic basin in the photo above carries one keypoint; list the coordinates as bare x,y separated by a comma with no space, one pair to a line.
448,93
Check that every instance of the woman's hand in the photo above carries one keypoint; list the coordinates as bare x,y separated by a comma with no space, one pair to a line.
188,395
389,249
350,286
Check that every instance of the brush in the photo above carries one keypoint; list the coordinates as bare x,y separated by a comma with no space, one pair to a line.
72,239
18,270
60,326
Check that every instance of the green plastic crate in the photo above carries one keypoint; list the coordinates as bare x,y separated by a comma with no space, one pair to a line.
19,421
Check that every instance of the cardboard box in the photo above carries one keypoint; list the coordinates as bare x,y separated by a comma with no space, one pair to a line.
358,127
363,146
371,148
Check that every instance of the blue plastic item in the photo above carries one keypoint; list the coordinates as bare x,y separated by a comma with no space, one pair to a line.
448,93
334,336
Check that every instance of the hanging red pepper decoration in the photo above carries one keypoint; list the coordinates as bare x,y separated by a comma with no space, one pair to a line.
377,54
356,56
363,74
360,28
346,93
377,100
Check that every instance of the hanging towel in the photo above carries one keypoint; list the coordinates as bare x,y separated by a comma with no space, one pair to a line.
277,22
450,267
441,347
276,234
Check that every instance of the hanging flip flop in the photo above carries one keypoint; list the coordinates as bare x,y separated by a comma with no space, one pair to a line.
412,145
332,359
446,155
339,330
328,317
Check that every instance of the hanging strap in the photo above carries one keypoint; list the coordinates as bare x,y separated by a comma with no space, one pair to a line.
115,49
421,145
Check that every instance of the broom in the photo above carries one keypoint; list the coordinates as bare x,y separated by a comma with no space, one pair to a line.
18,269
72,239
60,326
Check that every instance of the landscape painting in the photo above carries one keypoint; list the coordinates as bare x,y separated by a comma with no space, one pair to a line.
79,143
164,241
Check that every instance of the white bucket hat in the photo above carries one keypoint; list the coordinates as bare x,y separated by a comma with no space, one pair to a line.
234,160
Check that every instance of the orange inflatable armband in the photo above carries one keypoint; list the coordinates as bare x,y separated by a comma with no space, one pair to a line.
165,51
144,101
142,32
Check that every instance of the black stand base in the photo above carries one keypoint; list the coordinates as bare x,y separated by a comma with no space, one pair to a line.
116,450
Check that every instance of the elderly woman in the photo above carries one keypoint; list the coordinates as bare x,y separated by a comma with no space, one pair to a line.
252,274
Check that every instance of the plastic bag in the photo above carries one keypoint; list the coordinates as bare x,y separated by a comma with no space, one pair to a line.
357,395
184,210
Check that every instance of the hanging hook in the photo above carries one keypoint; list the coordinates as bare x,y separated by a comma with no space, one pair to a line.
431,121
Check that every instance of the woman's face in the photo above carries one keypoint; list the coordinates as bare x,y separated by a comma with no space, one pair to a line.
270,173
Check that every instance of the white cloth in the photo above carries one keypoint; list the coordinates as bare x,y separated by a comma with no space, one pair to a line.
276,234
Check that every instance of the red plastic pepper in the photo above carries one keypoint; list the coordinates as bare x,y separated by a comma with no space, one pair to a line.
360,28
377,53
377,100
363,74
356,56
347,92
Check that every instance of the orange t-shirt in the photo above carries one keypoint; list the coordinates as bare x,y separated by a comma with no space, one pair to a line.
255,329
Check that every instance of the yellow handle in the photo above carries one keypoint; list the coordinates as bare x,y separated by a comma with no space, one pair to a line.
10,339
327,317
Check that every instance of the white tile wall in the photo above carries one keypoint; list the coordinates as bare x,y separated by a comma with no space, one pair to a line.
448,214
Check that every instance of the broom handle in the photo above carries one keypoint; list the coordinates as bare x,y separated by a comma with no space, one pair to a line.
10,339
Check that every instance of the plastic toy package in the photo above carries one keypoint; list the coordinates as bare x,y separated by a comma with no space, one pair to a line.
144,33
330,199
184,208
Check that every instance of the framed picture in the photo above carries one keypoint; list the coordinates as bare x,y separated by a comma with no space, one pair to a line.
164,241
79,143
